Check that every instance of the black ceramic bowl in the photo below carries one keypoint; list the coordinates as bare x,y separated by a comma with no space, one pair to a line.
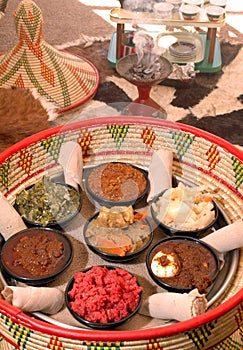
118,244
60,203
36,256
116,183
186,263
104,309
171,231
2,241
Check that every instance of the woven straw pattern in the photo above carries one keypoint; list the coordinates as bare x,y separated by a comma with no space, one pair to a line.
3,4
198,157
34,340
65,80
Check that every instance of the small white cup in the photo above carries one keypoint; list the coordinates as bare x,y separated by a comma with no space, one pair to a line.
163,9
221,3
194,2
189,12
215,13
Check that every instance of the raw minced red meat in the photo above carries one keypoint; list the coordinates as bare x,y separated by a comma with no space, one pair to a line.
104,295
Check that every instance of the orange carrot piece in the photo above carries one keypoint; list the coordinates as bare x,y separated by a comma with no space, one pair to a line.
140,216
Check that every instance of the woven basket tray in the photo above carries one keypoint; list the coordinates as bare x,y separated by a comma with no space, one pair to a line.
199,157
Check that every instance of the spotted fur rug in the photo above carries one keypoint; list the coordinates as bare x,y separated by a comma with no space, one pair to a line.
212,102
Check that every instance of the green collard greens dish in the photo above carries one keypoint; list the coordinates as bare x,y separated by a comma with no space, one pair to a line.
47,203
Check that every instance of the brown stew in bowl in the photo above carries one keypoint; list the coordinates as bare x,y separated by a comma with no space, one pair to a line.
117,181
36,253
194,264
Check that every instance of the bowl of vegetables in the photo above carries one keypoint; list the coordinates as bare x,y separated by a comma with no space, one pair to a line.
118,234
48,204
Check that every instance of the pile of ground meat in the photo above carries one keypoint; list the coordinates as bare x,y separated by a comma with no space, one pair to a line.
104,295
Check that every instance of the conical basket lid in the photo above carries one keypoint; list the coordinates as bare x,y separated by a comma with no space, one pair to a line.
64,79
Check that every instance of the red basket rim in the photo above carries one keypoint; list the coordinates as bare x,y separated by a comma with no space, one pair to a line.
120,120
18,316
114,335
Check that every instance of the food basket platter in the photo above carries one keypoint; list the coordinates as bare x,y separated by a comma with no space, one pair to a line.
231,260
198,157
138,267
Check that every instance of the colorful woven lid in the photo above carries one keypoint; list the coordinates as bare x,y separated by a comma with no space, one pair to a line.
65,80
3,4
